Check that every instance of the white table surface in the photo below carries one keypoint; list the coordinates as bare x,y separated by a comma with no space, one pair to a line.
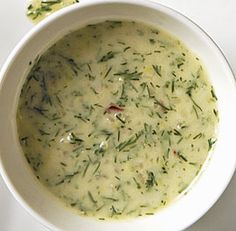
216,17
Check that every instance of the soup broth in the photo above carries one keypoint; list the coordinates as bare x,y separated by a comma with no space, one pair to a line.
116,119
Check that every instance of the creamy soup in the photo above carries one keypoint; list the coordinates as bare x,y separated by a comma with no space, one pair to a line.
116,119
40,9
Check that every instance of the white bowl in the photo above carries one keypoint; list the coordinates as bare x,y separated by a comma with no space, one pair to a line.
217,171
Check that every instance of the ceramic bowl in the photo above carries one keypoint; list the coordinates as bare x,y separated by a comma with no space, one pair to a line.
217,170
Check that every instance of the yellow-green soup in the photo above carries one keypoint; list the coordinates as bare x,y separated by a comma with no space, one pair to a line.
116,119
37,10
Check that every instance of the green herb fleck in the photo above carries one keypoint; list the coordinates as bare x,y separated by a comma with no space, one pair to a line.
132,140
73,139
213,94
108,56
136,182
211,142
157,69
91,197
150,182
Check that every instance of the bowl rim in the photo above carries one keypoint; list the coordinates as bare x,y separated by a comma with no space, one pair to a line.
37,28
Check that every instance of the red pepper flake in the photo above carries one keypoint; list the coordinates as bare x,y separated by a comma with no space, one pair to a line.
113,108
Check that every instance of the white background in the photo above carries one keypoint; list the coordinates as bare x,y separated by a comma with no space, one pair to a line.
216,17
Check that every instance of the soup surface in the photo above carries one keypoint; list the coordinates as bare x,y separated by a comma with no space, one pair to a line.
40,9
116,119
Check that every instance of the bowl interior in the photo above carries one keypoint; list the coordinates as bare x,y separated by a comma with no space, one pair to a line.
15,169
